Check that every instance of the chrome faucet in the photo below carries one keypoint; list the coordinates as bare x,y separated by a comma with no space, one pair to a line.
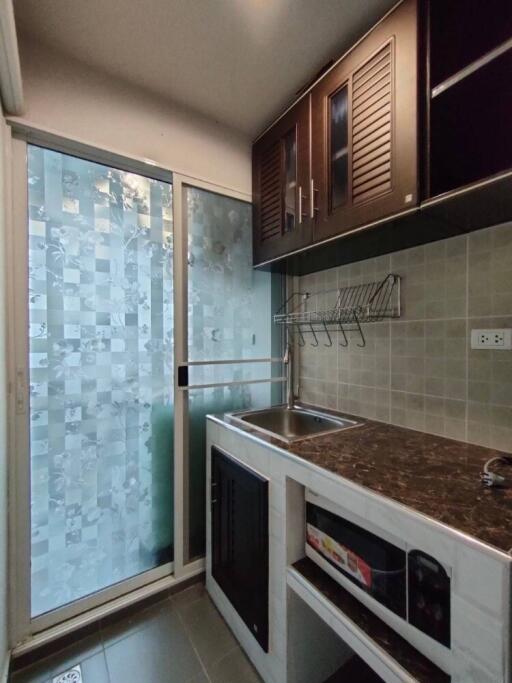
288,361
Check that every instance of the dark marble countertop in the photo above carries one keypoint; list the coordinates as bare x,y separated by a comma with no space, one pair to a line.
434,476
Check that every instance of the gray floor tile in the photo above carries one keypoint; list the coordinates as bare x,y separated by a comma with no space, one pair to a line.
75,653
200,678
170,642
208,632
37,673
94,669
160,653
184,598
135,622
234,668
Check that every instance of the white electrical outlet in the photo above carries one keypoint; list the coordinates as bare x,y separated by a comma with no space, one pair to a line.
499,340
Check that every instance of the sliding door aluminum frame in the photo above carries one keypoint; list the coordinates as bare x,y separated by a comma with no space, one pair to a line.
232,383
23,625
181,183
23,628
27,632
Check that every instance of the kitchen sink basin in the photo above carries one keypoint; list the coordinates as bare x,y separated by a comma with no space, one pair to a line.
293,424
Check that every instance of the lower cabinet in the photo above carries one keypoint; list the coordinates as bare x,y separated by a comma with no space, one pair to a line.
239,533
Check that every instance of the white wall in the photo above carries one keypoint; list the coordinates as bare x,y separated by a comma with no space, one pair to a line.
81,103
3,418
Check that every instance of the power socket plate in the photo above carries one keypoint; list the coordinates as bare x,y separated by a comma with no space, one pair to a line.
498,340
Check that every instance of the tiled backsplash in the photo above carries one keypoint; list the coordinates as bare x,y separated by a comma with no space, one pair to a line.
419,371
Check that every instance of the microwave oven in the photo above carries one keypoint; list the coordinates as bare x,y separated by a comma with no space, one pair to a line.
406,580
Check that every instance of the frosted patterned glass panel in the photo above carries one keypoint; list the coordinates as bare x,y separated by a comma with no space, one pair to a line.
101,356
339,148
230,304
229,317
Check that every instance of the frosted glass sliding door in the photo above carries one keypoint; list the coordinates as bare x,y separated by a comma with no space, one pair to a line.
230,308
101,376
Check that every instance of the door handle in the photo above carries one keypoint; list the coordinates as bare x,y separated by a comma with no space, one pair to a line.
301,197
313,208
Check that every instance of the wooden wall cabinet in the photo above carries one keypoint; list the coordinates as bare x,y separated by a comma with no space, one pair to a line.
346,154
407,134
365,129
281,178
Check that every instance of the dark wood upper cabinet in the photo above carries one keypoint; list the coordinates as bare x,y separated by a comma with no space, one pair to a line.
281,178
346,153
404,140
365,129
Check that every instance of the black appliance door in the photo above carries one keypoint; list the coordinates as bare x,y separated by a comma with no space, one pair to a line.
429,596
372,563
240,540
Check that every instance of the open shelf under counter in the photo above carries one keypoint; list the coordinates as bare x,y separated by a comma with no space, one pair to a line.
390,655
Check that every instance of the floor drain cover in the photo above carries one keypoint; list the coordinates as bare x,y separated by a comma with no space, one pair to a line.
73,675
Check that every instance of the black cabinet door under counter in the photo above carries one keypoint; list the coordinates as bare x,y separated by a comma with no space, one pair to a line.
239,517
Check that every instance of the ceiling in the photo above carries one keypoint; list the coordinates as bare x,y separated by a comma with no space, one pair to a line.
239,62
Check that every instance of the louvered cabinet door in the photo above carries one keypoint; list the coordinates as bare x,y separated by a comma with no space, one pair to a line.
281,173
365,129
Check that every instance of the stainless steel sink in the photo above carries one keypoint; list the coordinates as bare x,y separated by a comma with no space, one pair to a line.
293,424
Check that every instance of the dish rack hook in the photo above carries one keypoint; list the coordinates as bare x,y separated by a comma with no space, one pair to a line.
360,330
344,343
328,336
314,335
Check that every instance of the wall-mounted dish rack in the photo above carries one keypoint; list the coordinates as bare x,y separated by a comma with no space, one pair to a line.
340,310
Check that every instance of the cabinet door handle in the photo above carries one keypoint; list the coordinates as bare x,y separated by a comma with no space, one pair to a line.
302,196
313,208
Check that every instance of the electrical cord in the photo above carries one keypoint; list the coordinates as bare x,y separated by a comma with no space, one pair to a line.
489,478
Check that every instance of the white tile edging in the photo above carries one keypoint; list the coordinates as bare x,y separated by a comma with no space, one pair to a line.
349,632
